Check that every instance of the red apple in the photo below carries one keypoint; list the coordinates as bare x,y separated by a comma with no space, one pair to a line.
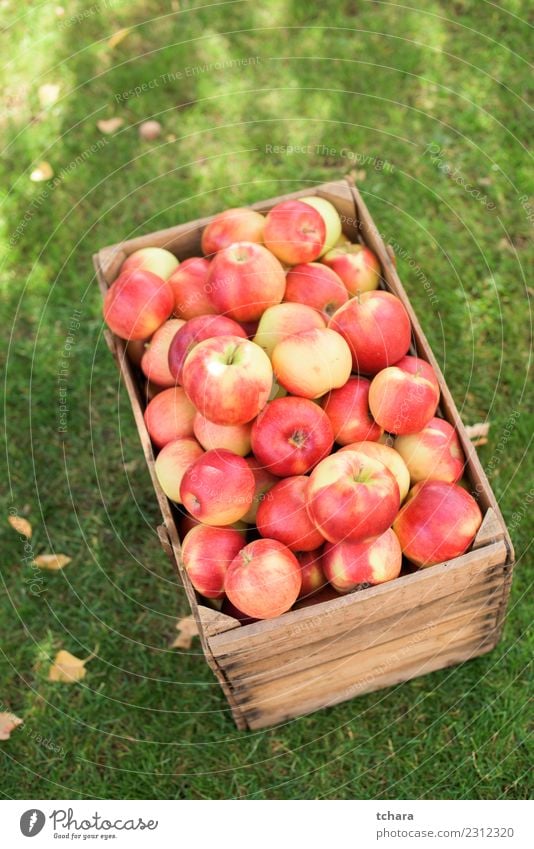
172,462
352,497
317,286
285,320
348,565
291,435
301,230
137,303
264,481
283,516
169,416
230,609
402,400
207,553
155,359
389,457
311,572
228,379
157,260
312,362
244,280
189,285
234,438
348,410
357,266
435,452
438,522
377,329
218,488
198,330
232,225
264,579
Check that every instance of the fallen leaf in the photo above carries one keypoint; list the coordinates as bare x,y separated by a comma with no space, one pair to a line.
42,172
68,668
118,36
131,466
21,525
109,125
8,723
48,94
149,130
187,628
478,433
52,561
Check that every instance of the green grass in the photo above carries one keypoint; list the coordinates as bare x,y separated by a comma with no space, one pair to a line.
369,81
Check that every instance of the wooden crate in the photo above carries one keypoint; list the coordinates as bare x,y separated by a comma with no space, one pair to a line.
320,655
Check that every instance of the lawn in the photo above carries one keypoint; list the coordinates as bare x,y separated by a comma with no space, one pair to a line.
425,104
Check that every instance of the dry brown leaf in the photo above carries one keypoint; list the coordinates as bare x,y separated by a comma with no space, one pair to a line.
109,125
21,525
118,36
52,561
478,433
42,172
68,668
187,629
8,723
48,94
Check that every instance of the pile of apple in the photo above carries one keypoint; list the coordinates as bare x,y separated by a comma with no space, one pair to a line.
294,429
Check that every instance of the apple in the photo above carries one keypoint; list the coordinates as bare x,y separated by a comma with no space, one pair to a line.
230,609
438,522
312,362
264,579
356,265
264,482
352,497
173,461
189,285
377,329
301,230
435,452
403,400
228,379
291,435
157,260
169,415
207,553
137,303
234,438
244,280
218,488
197,330
348,565
348,410
232,225
283,515
311,572
389,457
155,359
317,286
283,320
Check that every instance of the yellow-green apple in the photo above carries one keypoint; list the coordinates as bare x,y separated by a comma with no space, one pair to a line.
137,303
169,415
377,329
189,285
234,438
348,565
232,225
244,280
356,266
301,230
283,515
438,522
389,457
291,435
264,481
404,397
173,461
218,488
352,497
435,452
264,579
197,330
348,410
157,260
228,379
207,553
311,572
285,320
155,359
312,362
317,286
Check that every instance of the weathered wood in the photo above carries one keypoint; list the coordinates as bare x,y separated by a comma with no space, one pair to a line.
214,622
490,530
